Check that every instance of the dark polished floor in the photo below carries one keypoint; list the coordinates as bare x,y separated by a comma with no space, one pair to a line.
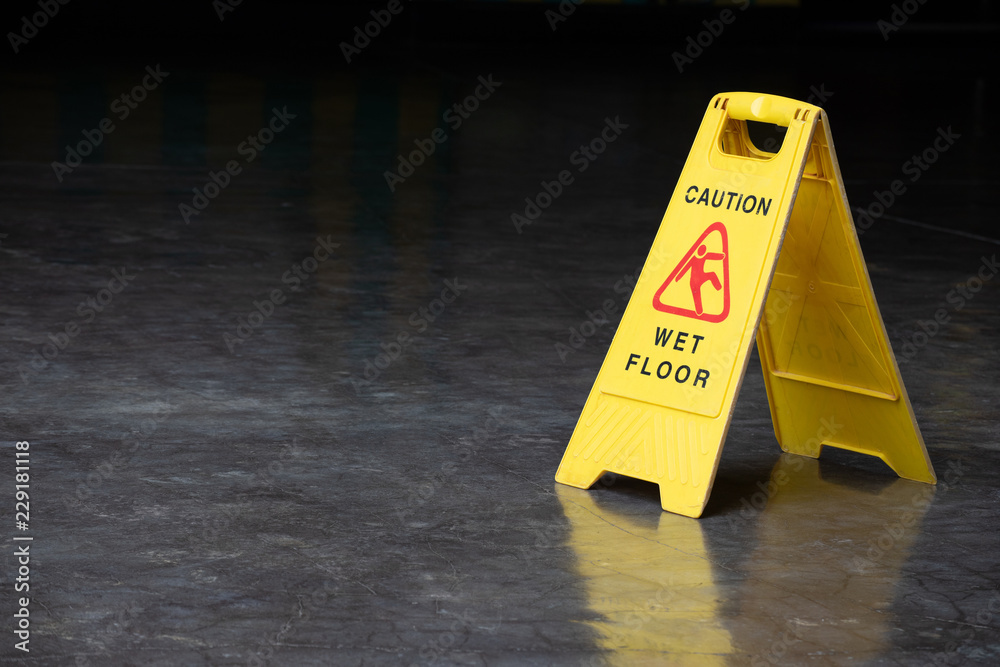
318,421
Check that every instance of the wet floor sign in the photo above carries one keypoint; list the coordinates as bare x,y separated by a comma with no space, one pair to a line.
752,241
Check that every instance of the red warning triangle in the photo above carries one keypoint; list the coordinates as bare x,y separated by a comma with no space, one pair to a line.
694,288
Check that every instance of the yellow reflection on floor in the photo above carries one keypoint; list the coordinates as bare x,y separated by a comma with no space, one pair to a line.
650,580
827,560
819,580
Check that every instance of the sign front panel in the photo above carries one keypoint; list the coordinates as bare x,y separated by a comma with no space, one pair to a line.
661,405
699,292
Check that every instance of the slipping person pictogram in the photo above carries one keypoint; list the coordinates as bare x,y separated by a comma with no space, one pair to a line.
692,266
699,276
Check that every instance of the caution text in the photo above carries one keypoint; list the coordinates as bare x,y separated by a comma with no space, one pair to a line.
731,201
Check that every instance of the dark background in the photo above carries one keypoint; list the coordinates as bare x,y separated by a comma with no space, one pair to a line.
941,60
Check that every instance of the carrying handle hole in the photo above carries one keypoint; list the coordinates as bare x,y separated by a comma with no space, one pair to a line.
766,137
751,139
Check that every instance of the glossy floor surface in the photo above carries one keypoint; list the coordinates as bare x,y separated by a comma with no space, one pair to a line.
317,421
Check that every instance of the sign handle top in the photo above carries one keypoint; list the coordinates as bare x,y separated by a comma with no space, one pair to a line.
765,108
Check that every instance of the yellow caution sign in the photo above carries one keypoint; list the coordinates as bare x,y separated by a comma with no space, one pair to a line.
746,227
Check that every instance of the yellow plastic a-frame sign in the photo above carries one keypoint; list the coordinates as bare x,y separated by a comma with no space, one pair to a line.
747,227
